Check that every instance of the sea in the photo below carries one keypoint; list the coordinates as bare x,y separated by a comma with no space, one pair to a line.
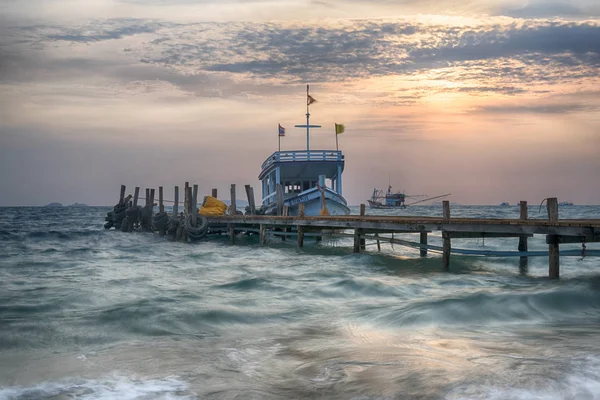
95,314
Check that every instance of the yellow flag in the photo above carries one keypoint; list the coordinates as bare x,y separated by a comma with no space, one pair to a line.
339,128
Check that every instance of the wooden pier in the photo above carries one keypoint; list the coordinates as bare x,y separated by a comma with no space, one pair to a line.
188,225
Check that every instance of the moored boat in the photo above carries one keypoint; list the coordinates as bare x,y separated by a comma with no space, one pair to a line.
309,177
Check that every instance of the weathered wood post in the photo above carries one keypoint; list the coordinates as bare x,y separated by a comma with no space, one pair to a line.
447,247
553,247
279,198
358,244
161,209
251,203
284,213
378,243
176,202
299,227
423,241
147,197
151,209
232,212
362,237
523,260
195,205
136,195
214,193
122,194
263,234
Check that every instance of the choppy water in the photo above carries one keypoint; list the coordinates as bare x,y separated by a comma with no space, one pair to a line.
93,314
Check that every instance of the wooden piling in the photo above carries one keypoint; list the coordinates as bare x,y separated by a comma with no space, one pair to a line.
161,205
214,193
523,246
359,243
185,197
195,205
362,238
299,227
136,194
447,246
232,211
161,209
553,240
423,241
378,243
147,197
263,234
122,194
176,201
251,203
279,198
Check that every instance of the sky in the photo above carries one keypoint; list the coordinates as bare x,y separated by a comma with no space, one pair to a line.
490,100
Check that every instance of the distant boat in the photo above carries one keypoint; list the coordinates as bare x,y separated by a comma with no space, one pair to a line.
309,177
565,203
390,199
504,204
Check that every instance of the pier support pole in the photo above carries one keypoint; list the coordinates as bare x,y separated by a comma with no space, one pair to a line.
251,203
176,202
553,247
136,195
362,239
447,246
378,243
233,212
122,194
300,227
214,193
263,234
285,230
161,210
279,198
423,241
195,205
523,260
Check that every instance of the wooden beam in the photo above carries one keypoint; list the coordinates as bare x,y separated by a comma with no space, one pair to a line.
161,206
552,206
473,235
195,205
554,239
378,242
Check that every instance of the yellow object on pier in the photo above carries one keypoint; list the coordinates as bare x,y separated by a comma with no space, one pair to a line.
212,206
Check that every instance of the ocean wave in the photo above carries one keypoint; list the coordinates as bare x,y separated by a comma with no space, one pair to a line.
122,388
485,308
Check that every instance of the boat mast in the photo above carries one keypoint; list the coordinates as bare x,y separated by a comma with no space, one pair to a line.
309,100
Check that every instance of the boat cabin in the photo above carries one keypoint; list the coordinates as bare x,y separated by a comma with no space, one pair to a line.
299,171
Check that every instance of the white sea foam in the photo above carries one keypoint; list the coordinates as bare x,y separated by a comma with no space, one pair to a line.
121,388
582,383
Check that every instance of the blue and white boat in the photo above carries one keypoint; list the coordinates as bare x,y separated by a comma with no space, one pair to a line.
309,177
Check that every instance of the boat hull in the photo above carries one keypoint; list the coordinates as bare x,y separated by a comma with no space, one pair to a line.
313,203
375,204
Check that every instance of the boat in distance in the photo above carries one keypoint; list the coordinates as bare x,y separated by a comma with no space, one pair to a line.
391,199
309,177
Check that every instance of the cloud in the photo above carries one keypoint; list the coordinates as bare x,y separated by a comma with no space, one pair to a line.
537,109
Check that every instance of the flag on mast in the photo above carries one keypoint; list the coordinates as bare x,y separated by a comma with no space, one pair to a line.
310,100
339,128
281,130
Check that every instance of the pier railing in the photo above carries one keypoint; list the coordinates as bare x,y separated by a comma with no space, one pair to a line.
303,155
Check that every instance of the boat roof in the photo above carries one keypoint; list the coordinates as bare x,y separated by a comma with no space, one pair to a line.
303,164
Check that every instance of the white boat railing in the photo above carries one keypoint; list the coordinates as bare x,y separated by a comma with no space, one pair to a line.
303,155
